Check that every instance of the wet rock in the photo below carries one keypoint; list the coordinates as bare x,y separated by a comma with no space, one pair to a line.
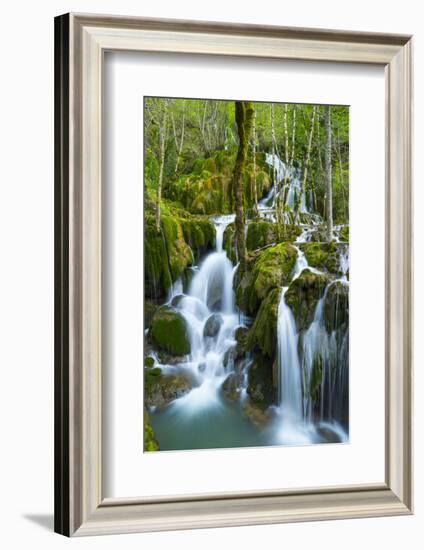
262,336
260,386
255,414
336,306
169,332
229,358
176,300
241,338
324,256
159,390
231,386
213,325
303,295
271,268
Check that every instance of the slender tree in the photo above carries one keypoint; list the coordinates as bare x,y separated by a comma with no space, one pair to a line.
255,190
244,120
307,160
179,143
162,141
328,174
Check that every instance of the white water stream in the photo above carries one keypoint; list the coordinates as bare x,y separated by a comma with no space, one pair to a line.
202,418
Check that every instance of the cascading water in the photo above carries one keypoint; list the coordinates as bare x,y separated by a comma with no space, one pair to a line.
307,359
294,186
289,387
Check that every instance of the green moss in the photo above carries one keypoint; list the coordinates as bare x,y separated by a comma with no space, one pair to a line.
157,275
303,295
150,443
229,242
149,362
260,234
263,334
210,165
149,310
271,268
323,256
169,331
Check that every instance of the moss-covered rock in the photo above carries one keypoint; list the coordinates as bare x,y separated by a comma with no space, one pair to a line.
262,336
150,443
271,268
323,256
207,187
259,234
303,295
260,388
336,306
169,331
182,240
149,311
229,243
159,390
231,387
157,275
199,234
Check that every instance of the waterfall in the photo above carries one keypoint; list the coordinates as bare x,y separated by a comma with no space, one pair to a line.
211,318
305,363
289,387
292,175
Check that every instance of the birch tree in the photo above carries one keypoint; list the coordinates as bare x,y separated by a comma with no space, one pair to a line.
308,159
328,173
255,190
244,120
162,142
179,143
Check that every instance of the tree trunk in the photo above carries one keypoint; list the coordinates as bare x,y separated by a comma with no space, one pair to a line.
328,175
162,140
255,190
179,146
274,152
307,160
244,120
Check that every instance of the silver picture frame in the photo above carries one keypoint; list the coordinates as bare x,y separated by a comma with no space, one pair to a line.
80,506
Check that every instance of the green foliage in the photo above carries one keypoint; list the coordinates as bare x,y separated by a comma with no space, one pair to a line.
150,443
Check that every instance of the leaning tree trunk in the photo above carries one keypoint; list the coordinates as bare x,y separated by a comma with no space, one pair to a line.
328,175
244,120
162,140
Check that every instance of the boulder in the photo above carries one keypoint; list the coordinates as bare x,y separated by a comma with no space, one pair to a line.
336,306
212,325
262,335
303,295
169,331
159,390
271,268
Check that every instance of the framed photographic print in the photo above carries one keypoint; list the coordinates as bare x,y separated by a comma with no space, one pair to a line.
233,274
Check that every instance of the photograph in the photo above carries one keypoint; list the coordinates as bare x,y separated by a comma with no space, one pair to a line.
246,274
